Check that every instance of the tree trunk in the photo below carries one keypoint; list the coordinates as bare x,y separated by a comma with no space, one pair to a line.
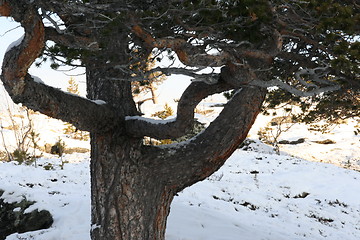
153,94
128,199
132,186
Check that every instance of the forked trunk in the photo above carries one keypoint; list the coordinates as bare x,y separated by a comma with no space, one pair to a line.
132,186
154,97
129,201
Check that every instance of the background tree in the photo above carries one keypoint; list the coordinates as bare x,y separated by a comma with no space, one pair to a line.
70,129
149,85
307,48
73,87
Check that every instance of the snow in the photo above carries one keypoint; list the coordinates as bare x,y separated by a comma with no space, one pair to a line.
257,195
99,101
15,43
151,120
254,195
37,79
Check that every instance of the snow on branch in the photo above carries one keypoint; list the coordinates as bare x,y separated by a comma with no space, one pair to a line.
52,21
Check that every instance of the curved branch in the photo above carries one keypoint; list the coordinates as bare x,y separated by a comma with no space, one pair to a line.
198,158
209,78
23,88
187,53
196,91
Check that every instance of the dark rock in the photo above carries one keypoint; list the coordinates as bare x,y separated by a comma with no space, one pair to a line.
17,221
300,140
55,150
327,141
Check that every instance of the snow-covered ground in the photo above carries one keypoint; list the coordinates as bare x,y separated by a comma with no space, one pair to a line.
256,195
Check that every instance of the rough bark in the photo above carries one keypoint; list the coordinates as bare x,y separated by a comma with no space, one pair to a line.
133,185
129,199
25,89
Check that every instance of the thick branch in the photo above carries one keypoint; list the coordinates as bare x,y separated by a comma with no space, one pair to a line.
202,155
84,114
137,126
23,89
188,54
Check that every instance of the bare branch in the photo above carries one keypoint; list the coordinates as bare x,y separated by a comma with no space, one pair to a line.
293,90
23,88
70,40
52,21
187,53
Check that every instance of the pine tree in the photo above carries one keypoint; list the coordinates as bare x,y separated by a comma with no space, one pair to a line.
300,49
148,85
70,129
73,86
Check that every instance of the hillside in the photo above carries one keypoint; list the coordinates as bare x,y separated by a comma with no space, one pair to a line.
257,195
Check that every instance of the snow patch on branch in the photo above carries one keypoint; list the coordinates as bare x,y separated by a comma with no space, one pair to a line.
95,226
99,102
37,79
150,120
15,43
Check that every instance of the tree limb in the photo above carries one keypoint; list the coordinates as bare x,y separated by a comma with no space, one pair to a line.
83,113
293,90
70,40
188,54
199,157
196,91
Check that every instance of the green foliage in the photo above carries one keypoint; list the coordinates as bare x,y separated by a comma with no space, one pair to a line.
20,156
23,157
61,55
334,14
314,33
58,148
238,20
331,107
73,87
48,166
